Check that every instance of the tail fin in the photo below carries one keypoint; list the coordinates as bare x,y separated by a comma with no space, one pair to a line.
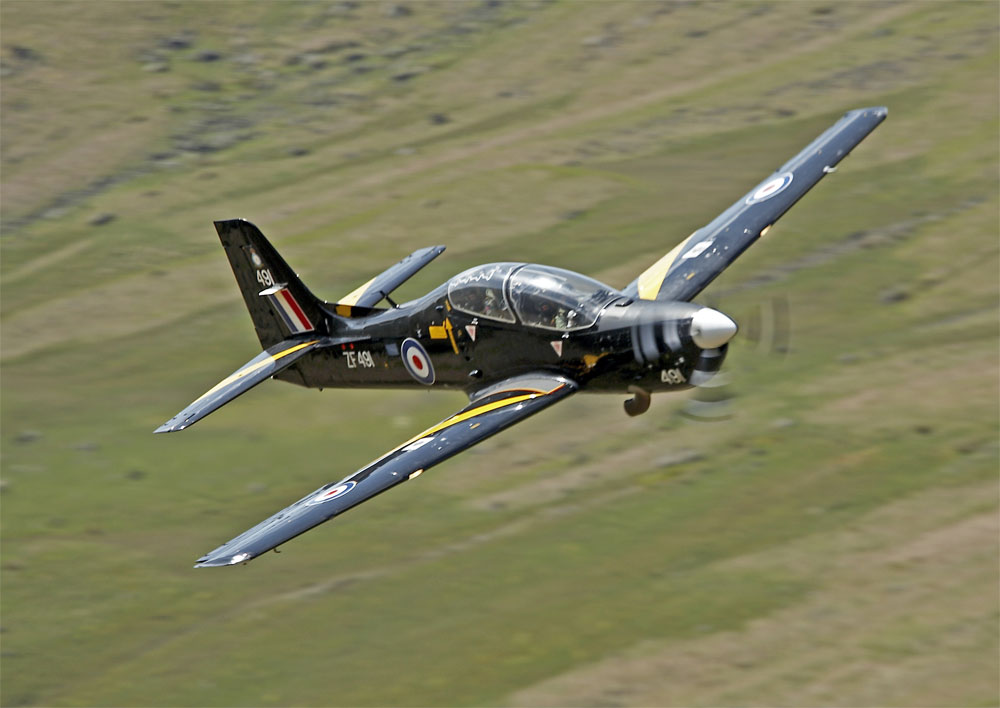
280,305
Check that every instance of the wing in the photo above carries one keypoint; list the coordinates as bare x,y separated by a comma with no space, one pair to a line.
491,410
372,292
698,259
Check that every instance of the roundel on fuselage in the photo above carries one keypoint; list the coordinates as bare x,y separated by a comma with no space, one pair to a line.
417,361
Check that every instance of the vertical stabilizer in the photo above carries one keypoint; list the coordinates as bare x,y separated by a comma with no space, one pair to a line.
280,305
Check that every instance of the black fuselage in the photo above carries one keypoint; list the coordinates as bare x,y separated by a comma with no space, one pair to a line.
646,344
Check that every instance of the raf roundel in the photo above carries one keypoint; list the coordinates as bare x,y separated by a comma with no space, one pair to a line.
332,493
770,188
417,361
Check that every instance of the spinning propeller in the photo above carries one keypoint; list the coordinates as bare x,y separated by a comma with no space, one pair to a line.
664,337
766,329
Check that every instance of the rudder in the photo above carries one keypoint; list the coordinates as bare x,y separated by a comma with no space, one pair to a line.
280,304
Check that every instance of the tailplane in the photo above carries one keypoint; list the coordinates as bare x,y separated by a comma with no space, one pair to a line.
280,304
268,364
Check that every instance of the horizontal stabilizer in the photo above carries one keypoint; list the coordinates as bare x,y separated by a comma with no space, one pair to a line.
376,289
263,366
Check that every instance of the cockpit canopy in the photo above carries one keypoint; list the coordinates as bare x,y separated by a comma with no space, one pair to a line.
480,291
557,299
541,296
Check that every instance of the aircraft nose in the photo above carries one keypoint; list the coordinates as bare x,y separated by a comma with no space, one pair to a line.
710,328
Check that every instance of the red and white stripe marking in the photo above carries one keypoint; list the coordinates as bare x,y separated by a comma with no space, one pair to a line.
290,311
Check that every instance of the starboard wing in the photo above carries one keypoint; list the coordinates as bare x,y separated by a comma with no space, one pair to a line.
490,411
697,260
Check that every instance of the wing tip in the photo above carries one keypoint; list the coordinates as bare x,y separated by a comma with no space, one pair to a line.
171,427
879,112
221,561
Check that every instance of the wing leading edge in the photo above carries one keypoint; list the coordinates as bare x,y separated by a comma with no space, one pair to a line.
492,410
697,260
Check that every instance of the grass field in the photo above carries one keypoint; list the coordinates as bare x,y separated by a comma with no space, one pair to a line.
834,542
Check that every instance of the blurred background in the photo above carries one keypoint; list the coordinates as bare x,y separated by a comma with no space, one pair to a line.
833,540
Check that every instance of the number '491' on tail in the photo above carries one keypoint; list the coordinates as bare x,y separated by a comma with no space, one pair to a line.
280,304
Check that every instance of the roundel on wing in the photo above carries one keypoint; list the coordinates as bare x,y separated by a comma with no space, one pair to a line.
417,361
770,188
325,495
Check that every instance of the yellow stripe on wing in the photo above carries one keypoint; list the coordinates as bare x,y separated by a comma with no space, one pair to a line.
651,280
246,370
472,413
456,419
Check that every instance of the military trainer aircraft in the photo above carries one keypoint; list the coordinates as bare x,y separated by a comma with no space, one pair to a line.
516,337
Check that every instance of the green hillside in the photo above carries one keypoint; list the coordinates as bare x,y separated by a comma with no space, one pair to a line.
832,541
